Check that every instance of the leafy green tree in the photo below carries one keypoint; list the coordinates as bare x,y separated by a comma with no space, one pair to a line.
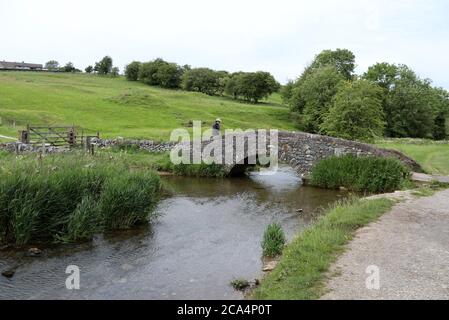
343,60
203,80
104,66
286,92
89,69
313,96
255,86
69,67
52,65
115,71
440,105
161,73
356,112
384,74
169,75
231,85
408,101
132,71
251,86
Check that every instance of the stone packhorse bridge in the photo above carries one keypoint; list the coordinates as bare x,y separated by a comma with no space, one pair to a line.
302,150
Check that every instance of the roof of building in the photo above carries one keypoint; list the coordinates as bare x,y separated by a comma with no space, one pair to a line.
18,65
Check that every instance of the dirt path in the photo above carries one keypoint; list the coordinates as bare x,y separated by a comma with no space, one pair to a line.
409,245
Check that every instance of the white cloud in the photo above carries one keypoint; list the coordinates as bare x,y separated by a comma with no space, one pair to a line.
277,36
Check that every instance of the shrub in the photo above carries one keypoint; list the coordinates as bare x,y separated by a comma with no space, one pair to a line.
273,240
66,199
132,71
364,174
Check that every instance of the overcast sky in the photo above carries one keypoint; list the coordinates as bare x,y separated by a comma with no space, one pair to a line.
277,36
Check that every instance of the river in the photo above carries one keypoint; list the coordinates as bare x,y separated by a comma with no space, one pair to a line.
207,233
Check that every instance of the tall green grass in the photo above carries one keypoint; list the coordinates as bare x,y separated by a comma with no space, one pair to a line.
364,174
273,240
70,198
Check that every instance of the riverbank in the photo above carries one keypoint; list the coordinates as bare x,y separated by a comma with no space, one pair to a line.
300,273
315,255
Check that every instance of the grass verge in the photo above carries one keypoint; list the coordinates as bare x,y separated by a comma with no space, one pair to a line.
301,272
431,155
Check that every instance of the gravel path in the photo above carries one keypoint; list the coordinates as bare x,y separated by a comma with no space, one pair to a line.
409,245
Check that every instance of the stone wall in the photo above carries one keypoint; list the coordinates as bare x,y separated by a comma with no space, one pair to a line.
302,150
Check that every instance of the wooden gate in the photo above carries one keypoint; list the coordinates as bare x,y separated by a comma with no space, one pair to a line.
52,135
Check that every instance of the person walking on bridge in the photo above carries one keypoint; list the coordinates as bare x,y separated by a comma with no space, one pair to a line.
216,127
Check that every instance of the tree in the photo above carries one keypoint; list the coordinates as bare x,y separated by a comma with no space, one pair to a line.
132,71
251,86
313,96
286,92
254,86
69,67
52,65
343,60
104,66
115,71
169,75
89,69
409,102
161,73
440,104
231,85
203,80
384,74
356,112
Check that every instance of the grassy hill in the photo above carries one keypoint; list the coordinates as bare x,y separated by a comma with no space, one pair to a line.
116,107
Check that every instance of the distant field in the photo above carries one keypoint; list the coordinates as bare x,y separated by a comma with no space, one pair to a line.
433,156
116,107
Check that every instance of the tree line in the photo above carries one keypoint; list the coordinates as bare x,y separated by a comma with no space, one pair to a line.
248,86
387,100
102,67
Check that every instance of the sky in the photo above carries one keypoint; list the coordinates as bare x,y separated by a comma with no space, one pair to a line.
280,36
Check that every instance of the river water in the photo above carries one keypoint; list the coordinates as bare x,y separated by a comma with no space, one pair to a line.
206,234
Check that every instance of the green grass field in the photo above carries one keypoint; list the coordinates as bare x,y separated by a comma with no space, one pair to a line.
433,156
116,107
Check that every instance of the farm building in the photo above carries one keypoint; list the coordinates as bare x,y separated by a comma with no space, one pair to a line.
19,66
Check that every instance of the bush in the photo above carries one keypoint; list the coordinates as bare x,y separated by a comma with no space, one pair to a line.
132,71
66,199
273,240
364,174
